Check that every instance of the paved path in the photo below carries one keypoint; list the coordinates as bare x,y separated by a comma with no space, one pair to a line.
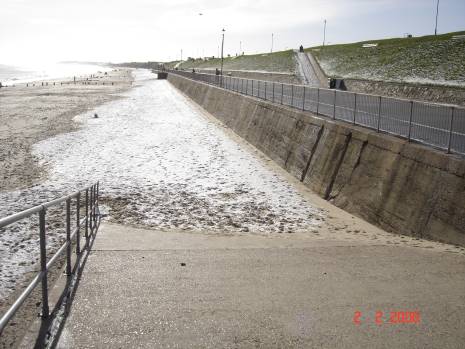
306,70
274,291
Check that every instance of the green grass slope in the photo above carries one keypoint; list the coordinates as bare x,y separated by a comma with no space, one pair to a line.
282,61
428,59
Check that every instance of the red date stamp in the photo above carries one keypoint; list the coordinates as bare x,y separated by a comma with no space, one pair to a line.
392,317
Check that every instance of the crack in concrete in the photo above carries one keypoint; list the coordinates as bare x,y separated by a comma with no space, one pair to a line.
338,166
315,145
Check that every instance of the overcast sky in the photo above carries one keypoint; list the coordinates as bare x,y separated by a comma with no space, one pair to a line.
141,30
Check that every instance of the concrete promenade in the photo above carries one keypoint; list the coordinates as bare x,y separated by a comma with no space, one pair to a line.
153,289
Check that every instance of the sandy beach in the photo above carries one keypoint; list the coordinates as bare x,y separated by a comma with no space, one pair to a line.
31,114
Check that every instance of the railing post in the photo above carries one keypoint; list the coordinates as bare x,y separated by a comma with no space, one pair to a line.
303,100
252,88
292,95
334,106
379,114
78,228
410,120
86,232
355,106
451,127
265,90
97,201
43,264
318,101
258,89
68,237
91,220
282,92
273,91
94,203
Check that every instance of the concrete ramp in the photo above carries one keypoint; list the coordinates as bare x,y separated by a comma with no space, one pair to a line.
309,70
153,289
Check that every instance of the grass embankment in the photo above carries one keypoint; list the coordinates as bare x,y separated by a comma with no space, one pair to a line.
282,61
428,59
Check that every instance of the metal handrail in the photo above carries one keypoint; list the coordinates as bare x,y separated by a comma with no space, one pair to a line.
434,124
91,221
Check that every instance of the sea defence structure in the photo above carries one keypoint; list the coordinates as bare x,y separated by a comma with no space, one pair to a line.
400,186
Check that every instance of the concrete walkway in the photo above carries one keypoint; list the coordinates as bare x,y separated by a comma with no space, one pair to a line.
153,289
307,71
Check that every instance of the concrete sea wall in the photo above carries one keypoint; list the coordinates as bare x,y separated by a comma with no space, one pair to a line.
402,187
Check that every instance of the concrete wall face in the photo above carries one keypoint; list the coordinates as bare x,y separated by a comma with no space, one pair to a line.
401,187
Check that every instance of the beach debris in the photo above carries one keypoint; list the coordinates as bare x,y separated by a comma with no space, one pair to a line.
183,264
95,116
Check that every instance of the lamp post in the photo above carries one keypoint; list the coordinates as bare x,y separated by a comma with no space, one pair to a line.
324,34
437,13
222,47
272,37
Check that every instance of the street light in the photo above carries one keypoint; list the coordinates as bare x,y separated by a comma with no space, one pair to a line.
324,34
437,13
222,46
272,42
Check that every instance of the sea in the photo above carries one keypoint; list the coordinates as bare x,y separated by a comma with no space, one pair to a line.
11,75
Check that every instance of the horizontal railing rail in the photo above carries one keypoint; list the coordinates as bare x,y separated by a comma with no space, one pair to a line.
90,222
437,125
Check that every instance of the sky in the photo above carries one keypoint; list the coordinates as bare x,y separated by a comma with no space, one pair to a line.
151,30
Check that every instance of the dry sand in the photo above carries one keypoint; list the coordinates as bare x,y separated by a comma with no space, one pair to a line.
31,114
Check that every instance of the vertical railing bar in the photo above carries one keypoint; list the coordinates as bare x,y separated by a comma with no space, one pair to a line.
292,95
98,188
95,201
78,228
318,102
273,91
252,87
68,237
265,89
43,263
86,232
282,93
91,226
379,114
355,106
334,106
451,124
303,100
410,120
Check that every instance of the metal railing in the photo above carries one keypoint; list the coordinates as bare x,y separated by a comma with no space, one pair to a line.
91,223
438,125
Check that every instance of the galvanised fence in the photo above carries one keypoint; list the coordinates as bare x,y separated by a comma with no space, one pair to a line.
86,218
437,125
